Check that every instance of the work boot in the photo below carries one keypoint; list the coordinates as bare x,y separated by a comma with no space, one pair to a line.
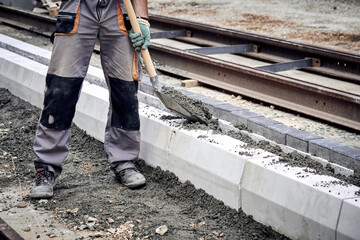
44,184
131,178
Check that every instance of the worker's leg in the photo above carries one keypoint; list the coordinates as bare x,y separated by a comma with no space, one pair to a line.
122,70
77,29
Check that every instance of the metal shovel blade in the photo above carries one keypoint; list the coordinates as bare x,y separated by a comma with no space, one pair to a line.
171,104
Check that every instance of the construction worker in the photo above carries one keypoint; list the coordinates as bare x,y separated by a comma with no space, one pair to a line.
79,23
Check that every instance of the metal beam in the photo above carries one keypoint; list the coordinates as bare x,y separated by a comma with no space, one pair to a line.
280,67
226,49
169,34
44,25
7,233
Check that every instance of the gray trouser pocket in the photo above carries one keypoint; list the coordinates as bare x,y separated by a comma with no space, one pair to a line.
67,19
65,22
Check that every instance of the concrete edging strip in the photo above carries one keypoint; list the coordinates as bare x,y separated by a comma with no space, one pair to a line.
295,202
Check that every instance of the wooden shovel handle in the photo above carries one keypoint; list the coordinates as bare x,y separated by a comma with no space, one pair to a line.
135,25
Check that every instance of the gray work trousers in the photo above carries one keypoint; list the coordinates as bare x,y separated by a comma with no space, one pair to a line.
79,24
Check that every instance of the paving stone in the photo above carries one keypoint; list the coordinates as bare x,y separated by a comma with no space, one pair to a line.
300,139
277,133
357,163
233,117
323,147
209,102
151,101
189,94
345,156
240,117
24,49
197,96
146,86
224,109
259,124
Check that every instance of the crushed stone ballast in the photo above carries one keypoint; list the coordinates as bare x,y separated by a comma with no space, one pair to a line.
294,201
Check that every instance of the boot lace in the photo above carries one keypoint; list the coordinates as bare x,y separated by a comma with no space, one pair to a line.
123,172
41,175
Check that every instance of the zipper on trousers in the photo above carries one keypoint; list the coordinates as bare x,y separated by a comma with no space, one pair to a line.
98,9
65,16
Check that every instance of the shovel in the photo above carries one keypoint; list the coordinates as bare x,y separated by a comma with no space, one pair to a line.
169,102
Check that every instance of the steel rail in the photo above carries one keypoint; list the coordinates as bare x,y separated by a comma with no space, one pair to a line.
314,100
30,21
338,64
7,233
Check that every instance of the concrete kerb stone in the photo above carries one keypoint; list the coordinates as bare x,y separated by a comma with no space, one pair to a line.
146,86
19,74
242,116
152,101
323,147
207,165
24,49
345,156
40,55
211,104
260,124
299,139
357,163
89,118
348,225
194,95
277,133
268,193
299,204
224,111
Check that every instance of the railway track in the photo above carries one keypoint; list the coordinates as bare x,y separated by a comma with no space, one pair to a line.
319,82
8,233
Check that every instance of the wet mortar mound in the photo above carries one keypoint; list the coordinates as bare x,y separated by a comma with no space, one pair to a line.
88,198
195,107
212,124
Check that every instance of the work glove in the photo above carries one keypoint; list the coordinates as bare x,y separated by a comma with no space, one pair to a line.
141,40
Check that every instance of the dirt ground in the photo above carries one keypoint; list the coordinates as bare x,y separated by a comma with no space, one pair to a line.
327,23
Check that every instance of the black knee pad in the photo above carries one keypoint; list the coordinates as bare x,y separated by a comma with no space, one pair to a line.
125,105
60,100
